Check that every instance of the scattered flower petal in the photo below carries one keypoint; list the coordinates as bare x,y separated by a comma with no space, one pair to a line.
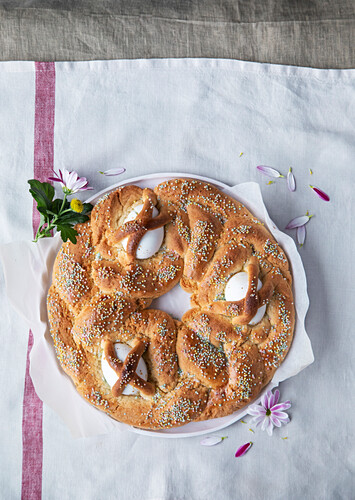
320,193
301,235
298,221
270,182
243,422
284,438
212,440
291,183
113,171
70,181
311,172
243,449
241,154
271,172
267,414
251,430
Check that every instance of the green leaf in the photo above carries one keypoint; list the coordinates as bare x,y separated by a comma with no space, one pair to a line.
72,218
57,205
87,207
43,211
42,220
42,192
67,232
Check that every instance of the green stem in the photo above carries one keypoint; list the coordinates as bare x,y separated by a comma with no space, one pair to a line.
61,212
41,234
65,211
64,200
44,232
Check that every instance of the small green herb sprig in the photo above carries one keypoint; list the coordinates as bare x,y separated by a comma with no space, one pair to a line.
58,213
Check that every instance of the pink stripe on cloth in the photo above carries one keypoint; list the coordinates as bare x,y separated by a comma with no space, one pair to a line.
32,439
44,126
32,436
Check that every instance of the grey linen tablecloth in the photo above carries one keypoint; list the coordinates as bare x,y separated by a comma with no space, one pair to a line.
317,33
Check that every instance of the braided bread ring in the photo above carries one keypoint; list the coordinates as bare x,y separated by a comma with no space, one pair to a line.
212,362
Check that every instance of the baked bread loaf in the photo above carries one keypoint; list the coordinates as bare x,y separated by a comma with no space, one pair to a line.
140,365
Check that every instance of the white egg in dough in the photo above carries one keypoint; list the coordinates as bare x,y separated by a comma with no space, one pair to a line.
151,241
236,289
110,375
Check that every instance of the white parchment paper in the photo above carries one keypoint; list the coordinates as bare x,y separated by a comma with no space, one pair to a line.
33,262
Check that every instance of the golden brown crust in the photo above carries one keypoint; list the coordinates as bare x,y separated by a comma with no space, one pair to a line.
214,361
215,328
160,329
205,231
201,359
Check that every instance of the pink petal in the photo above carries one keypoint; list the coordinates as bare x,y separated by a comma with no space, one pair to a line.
60,174
271,400
69,178
265,399
271,172
270,397
291,183
270,427
298,221
256,410
280,414
283,421
80,183
282,406
113,171
55,179
301,235
257,420
243,449
265,423
276,396
320,193
211,440
269,394
85,187
275,420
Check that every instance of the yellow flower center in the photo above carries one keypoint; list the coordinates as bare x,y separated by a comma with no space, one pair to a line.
76,205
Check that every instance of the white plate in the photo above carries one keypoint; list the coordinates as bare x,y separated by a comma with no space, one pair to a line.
34,262
168,303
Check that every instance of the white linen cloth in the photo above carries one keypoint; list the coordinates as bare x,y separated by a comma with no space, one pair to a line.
197,116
